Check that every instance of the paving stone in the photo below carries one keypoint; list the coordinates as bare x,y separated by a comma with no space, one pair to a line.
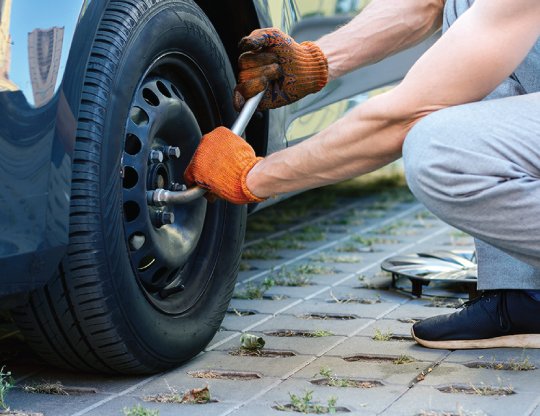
346,292
358,401
422,399
417,309
337,327
355,309
220,336
222,390
266,366
234,322
392,327
50,405
384,370
300,345
255,408
366,346
115,407
295,292
449,374
101,383
261,305
516,355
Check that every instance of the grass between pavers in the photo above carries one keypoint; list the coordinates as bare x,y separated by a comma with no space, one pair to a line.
331,380
389,183
382,336
138,410
298,276
306,404
478,389
192,396
513,364
335,258
353,299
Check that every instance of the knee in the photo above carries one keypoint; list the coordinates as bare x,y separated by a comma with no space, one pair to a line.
429,156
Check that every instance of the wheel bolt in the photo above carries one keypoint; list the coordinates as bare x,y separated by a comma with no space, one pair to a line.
164,218
171,152
175,186
156,156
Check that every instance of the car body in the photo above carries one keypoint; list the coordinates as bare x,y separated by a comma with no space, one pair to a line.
44,53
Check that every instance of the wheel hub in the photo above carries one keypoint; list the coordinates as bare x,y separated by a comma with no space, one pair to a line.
161,135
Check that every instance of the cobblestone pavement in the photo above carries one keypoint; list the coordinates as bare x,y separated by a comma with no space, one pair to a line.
337,337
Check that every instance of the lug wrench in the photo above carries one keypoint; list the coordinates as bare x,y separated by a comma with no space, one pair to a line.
160,197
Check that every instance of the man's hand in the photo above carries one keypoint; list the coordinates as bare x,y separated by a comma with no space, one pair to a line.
220,165
273,61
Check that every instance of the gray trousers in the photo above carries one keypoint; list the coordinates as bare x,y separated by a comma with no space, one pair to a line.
477,167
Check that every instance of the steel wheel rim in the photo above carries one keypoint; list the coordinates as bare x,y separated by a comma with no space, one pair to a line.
170,99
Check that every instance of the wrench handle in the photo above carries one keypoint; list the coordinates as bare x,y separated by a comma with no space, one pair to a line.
162,197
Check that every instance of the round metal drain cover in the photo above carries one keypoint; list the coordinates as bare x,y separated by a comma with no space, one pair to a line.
457,266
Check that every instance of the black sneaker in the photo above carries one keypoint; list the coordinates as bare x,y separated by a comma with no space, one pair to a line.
495,319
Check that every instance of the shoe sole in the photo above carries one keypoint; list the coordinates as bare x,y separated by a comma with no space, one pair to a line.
507,341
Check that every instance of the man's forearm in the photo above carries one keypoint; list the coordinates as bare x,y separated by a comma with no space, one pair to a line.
477,53
383,28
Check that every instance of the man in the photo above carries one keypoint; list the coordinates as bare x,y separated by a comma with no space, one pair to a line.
466,118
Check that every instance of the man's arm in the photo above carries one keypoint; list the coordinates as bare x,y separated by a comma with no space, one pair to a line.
475,55
383,28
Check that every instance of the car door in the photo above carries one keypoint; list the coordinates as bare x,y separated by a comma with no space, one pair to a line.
309,20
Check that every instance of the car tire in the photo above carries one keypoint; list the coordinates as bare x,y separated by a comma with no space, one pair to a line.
139,292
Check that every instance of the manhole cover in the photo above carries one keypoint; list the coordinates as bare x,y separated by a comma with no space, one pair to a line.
456,266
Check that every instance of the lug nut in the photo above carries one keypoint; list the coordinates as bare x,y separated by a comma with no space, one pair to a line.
171,152
156,156
175,186
164,218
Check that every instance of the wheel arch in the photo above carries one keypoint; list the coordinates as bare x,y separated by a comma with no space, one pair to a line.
231,27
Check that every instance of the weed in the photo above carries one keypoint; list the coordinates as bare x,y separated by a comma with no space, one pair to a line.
193,396
138,410
313,269
321,333
6,383
353,299
522,364
310,233
254,291
395,228
403,359
370,241
333,381
305,404
259,254
382,336
479,390
326,258
46,388
293,278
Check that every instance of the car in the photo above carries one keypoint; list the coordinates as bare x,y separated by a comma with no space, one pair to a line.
103,101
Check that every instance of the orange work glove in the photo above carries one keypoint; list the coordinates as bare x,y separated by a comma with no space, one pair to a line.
287,70
220,165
